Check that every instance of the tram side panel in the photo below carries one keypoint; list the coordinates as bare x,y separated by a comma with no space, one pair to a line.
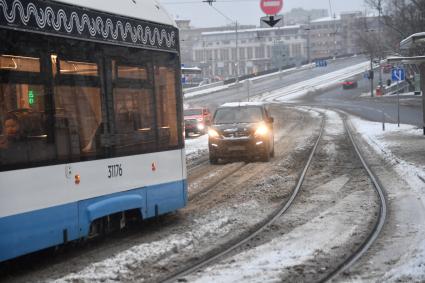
63,210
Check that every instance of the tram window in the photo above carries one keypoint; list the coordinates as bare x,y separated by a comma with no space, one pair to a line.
133,108
165,92
129,72
78,68
19,63
24,138
78,121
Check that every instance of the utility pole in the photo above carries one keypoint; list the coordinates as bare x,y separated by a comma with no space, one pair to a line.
237,52
422,72
309,40
380,44
371,75
335,42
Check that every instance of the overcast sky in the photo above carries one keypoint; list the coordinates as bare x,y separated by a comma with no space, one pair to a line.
245,11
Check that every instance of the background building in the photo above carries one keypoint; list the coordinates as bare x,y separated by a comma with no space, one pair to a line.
224,53
218,55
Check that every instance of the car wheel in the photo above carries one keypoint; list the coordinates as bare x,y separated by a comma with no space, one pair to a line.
213,159
186,134
265,156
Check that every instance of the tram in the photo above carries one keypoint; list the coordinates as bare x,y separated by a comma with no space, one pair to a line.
91,119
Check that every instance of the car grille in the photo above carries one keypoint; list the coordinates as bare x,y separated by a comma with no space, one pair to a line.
191,122
239,134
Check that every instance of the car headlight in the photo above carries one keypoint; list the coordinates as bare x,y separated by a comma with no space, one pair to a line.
262,130
213,133
201,126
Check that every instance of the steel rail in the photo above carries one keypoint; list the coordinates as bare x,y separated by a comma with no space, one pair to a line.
264,225
354,257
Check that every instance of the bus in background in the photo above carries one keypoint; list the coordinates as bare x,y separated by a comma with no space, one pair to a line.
91,120
191,77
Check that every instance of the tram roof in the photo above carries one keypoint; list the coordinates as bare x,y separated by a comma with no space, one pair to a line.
148,10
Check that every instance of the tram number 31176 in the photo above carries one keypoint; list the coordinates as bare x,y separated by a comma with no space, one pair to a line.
114,171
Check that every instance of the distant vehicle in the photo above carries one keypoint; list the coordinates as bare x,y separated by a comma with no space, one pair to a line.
241,129
196,120
349,84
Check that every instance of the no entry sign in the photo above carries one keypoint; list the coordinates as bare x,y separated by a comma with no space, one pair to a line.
271,7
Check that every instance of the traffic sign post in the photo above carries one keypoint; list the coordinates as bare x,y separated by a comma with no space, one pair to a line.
321,63
271,8
398,74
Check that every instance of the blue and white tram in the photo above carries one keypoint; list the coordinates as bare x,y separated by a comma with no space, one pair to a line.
91,119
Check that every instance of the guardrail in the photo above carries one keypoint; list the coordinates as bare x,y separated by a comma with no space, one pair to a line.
198,88
394,88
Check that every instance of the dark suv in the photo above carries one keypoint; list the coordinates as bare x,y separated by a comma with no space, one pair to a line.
241,130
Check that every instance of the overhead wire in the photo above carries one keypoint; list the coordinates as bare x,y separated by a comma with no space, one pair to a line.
201,2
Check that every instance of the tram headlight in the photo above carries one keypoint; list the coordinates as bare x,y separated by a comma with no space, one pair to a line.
213,133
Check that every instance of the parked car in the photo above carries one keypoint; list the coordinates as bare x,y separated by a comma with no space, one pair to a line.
241,130
196,120
348,84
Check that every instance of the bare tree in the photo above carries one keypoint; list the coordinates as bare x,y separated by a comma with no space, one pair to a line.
366,34
400,17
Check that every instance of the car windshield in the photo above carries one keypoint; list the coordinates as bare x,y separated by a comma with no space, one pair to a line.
238,115
192,112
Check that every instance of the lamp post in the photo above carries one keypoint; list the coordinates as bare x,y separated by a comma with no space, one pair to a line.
237,51
308,29
380,43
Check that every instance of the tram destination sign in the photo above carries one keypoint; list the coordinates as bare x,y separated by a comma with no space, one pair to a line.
70,21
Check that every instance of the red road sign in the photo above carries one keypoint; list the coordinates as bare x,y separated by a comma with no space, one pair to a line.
271,7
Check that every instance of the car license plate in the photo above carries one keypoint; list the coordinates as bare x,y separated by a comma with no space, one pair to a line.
236,148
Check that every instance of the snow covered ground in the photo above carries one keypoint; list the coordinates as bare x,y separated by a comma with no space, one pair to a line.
265,263
267,76
297,90
196,146
382,142
119,266
392,145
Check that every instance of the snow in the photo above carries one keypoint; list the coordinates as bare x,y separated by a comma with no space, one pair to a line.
412,267
242,104
250,30
195,147
265,262
378,139
294,91
207,91
335,124
367,94
253,80
215,225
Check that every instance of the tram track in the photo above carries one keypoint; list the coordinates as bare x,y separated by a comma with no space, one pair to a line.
246,237
350,260
383,211
209,186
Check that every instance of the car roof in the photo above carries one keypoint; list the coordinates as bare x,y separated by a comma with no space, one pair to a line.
195,108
